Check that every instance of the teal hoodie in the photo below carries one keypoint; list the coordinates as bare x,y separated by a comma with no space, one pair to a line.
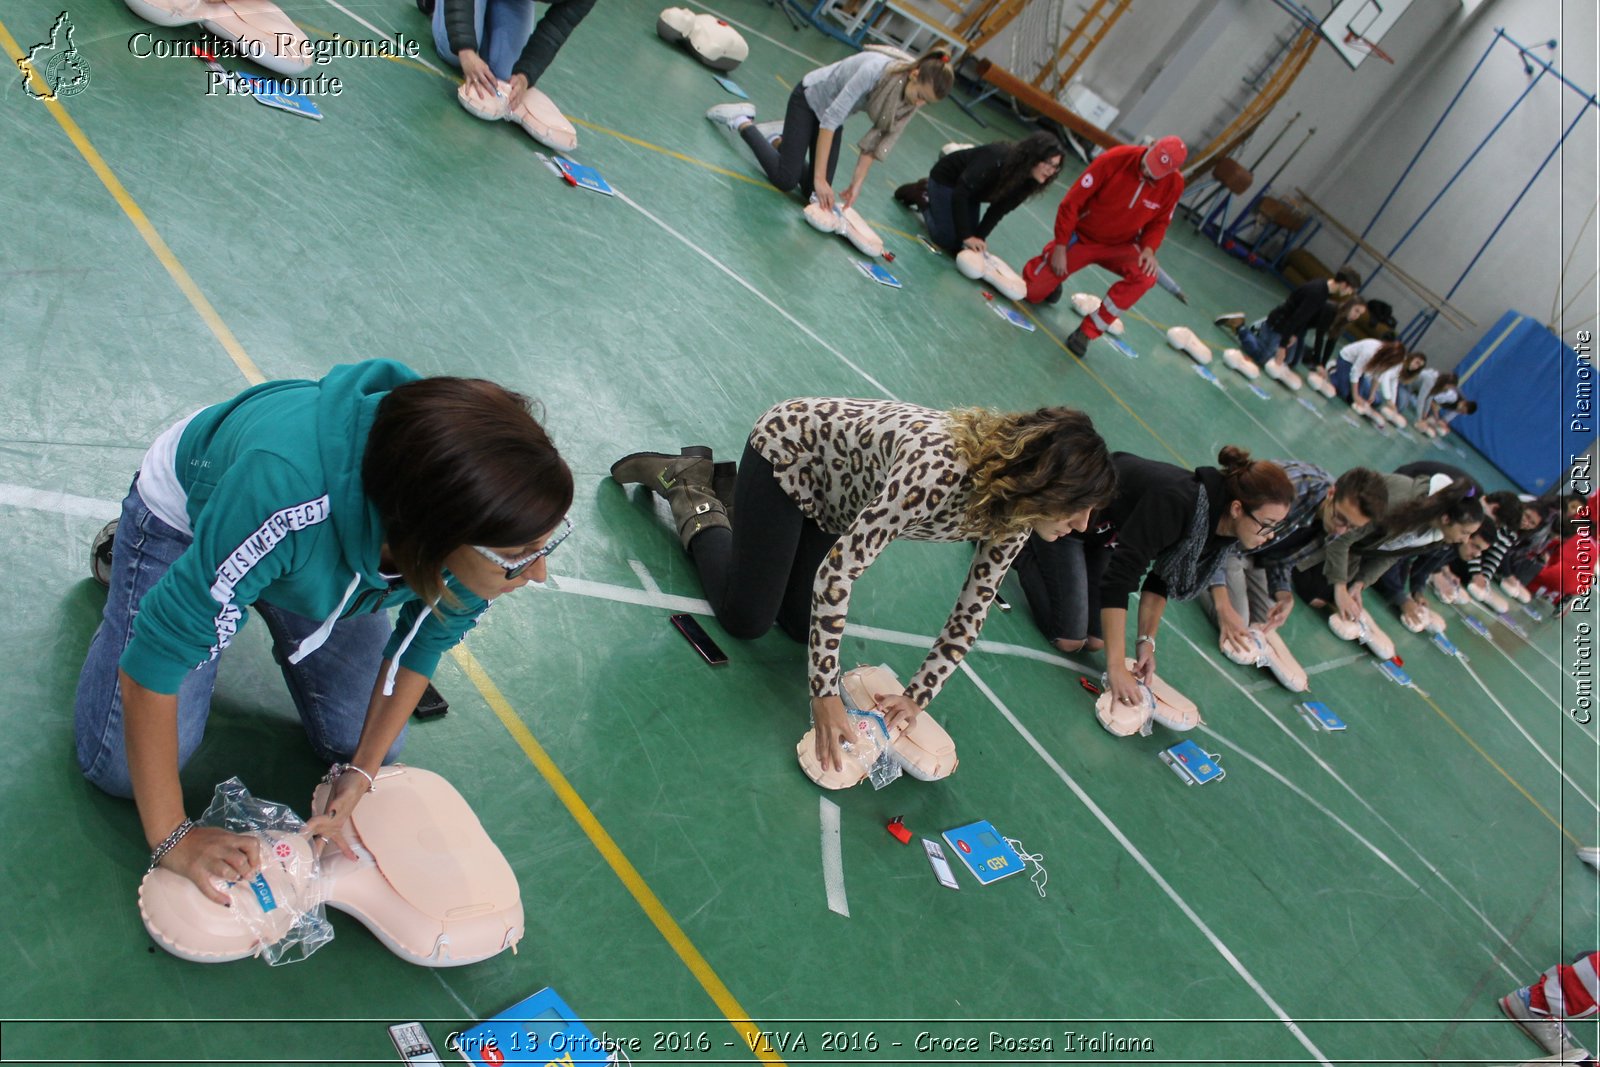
273,479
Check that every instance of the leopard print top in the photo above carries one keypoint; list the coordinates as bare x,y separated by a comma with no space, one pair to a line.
872,471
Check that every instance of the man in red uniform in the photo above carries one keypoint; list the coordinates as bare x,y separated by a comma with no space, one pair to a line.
1115,215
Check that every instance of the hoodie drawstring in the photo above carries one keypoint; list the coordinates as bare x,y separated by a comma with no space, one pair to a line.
394,664
318,637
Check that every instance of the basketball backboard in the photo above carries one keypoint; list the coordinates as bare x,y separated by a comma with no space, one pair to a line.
1369,19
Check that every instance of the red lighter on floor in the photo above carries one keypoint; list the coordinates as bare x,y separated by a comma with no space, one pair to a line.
898,827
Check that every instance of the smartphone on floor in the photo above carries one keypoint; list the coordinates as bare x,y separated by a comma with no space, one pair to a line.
695,634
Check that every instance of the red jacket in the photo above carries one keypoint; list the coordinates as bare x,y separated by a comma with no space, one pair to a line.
1112,203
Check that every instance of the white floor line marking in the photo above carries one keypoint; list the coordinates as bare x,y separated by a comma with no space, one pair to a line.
832,858
1359,799
1138,857
646,579
1502,963
724,268
456,996
1309,799
82,507
383,33
1527,736
1492,643
746,27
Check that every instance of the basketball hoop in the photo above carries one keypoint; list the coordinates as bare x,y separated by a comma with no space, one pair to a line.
1354,40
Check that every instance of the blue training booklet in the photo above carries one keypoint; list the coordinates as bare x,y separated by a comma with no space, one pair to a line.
540,1029
583,177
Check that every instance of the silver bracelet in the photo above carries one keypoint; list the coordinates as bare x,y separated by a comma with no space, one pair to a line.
1143,638
339,768
159,853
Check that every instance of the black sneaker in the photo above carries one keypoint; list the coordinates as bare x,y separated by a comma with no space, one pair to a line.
100,554
432,705
1078,341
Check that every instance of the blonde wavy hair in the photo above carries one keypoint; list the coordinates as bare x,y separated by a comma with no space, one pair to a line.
1030,467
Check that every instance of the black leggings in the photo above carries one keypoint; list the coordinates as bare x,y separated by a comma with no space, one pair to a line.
1061,580
787,166
761,570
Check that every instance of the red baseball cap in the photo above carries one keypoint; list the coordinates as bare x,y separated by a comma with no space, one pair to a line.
1165,156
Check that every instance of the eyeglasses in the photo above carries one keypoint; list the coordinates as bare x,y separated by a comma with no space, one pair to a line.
1341,521
1269,528
514,568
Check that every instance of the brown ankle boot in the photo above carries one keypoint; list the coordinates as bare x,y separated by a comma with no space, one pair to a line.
684,481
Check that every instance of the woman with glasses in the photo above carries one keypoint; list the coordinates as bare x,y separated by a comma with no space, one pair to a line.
318,503
1254,587
1163,535
1003,175
1424,512
823,487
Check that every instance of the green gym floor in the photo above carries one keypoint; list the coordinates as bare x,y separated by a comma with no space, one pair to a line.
1357,897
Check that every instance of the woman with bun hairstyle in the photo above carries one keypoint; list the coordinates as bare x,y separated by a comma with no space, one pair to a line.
1425,511
1165,532
885,83
826,483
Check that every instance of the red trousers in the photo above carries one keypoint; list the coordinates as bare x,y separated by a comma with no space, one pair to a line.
1118,259
1566,992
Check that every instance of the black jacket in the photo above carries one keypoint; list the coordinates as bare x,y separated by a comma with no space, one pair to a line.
1151,513
548,36
973,176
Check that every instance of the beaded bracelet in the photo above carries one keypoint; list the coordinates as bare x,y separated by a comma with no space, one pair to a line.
159,853
339,768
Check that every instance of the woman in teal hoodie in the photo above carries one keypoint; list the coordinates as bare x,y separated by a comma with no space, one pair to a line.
317,502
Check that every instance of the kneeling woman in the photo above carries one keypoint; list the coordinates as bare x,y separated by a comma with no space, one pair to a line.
888,89
317,502
1425,512
825,484
1175,524
1002,175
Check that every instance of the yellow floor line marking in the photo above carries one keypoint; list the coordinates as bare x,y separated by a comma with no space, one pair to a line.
136,215
1503,773
624,870
737,1017
1026,309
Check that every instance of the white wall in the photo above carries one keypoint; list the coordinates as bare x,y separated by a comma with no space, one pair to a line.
1371,120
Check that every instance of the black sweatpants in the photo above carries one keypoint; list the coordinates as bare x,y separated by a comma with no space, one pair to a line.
794,162
761,570
1061,580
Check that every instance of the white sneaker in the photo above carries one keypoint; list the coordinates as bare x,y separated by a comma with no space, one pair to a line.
1590,855
732,115
1551,1034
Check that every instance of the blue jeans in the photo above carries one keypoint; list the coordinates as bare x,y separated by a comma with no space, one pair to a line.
941,220
1259,341
331,688
502,29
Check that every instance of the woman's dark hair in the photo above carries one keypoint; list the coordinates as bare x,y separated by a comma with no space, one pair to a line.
1024,155
1366,489
1030,467
459,461
1458,503
933,70
1508,508
1445,380
1254,482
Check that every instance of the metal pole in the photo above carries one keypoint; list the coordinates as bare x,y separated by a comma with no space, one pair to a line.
1267,151
1498,33
1527,53
1465,163
1312,132
1582,113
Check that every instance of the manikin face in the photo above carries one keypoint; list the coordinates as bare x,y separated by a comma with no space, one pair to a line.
1255,527
1072,522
